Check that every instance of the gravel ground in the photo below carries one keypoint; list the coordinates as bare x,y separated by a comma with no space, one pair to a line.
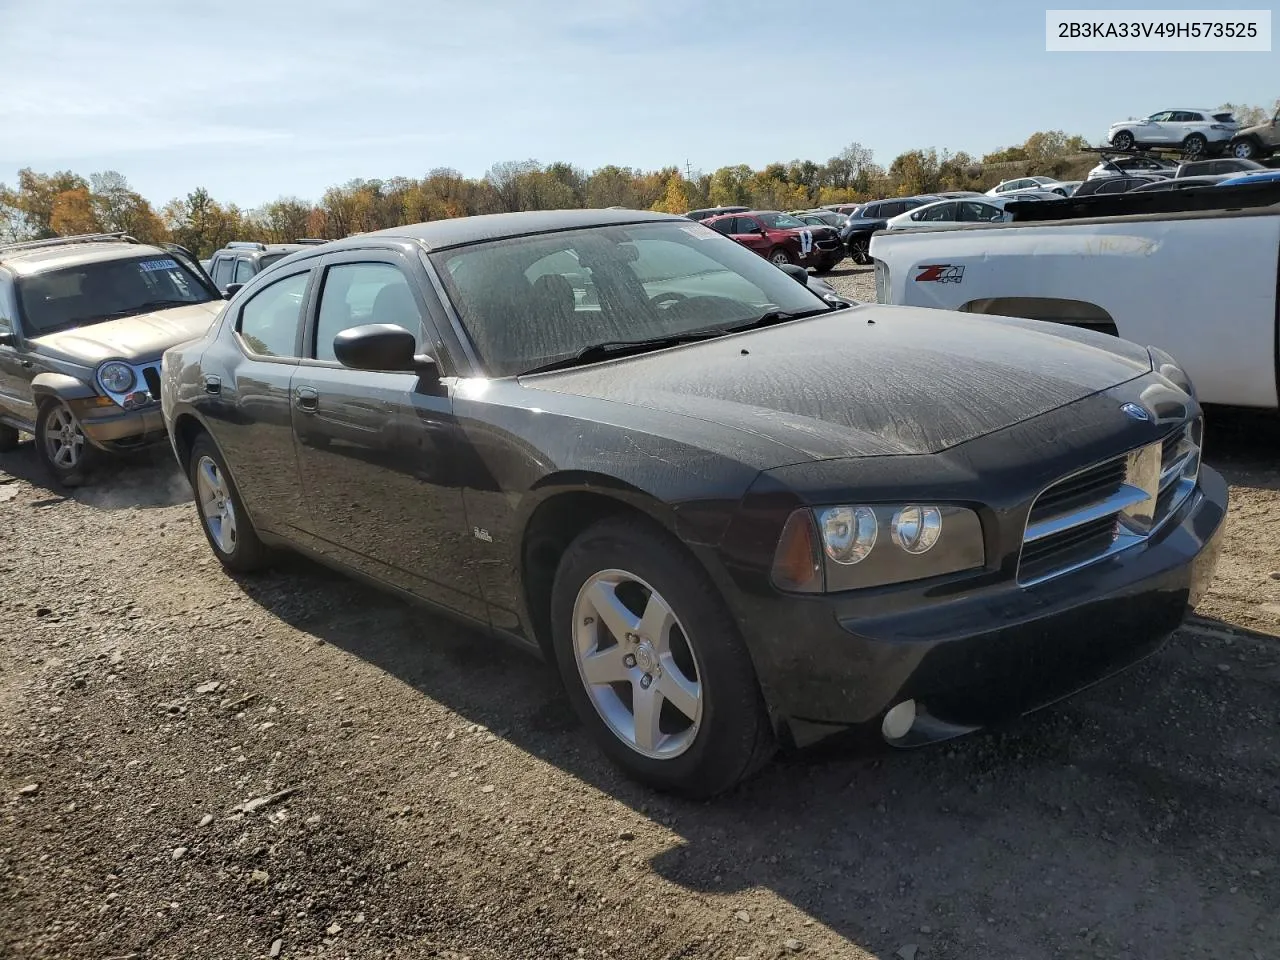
296,765
856,283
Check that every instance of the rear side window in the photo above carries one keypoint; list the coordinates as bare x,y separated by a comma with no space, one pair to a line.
244,271
222,268
1224,118
269,321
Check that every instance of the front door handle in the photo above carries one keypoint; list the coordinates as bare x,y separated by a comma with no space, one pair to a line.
25,363
213,385
306,399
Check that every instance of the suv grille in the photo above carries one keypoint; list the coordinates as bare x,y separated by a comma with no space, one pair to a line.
1111,506
152,377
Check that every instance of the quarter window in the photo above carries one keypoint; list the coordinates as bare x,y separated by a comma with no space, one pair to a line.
360,293
269,321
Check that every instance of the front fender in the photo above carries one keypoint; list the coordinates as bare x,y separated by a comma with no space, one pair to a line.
63,386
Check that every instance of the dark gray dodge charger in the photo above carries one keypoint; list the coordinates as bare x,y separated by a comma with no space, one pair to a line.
736,515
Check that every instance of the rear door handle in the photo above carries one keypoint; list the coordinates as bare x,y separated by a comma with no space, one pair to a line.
306,399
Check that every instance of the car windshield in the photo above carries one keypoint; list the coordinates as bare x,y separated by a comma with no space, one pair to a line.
779,221
531,301
104,290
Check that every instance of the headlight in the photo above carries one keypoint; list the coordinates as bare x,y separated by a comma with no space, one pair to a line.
1168,368
848,547
116,377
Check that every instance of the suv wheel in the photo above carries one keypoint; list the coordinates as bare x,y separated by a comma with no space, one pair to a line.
1123,140
653,662
223,518
1244,150
780,257
8,438
62,446
860,251
1195,145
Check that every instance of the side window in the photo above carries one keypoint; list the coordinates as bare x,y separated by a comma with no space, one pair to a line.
723,225
269,321
942,213
359,293
971,211
244,271
222,267
1162,117
745,225
892,209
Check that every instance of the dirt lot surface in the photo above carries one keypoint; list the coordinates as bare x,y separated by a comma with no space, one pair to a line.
296,765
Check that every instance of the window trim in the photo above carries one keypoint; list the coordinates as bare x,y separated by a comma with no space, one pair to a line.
312,325
308,294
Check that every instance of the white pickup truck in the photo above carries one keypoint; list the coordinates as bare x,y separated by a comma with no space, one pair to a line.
1200,283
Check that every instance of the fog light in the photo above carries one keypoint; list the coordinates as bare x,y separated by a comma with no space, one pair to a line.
897,722
139,398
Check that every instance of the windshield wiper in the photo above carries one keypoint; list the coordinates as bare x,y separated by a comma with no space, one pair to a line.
781,316
617,348
162,304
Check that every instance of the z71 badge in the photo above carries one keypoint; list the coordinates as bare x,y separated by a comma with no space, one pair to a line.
940,273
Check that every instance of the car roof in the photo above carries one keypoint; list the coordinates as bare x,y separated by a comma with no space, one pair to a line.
461,231
32,260
268,248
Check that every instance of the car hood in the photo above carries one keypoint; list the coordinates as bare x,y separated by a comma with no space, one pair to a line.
869,380
138,338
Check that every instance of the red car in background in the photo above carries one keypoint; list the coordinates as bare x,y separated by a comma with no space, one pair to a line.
782,238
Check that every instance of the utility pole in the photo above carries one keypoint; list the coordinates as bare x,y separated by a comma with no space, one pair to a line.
688,170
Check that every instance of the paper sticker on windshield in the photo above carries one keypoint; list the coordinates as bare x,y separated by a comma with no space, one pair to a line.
699,231
153,265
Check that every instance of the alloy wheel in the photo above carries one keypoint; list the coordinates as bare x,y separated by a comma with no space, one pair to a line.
63,439
637,664
216,507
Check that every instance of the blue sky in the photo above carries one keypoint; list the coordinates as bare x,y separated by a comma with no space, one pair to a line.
287,97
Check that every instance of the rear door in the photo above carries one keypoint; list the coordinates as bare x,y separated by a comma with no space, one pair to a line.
380,452
16,368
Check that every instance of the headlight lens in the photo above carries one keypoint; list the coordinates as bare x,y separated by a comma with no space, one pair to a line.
848,533
116,377
841,547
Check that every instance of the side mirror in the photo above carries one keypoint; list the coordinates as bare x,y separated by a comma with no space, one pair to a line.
232,290
383,347
797,273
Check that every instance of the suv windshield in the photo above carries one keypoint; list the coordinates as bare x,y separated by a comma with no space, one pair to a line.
779,221
530,301
103,290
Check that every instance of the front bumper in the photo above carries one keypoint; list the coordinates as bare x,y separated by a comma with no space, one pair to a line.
111,428
980,660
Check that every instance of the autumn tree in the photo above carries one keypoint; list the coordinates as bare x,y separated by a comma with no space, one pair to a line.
201,224
73,213
284,220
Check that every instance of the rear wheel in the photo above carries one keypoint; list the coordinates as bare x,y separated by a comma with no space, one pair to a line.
779,256
62,446
1123,140
860,251
653,662
1195,145
8,438
223,518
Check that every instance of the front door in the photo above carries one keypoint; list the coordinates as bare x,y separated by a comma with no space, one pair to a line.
748,232
376,449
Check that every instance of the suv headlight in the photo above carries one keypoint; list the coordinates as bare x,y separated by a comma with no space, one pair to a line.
848,547
1168,368
116,377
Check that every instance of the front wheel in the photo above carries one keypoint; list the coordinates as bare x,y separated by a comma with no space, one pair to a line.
860,251
1123,140
1244,150
62,446
779,257
653,662
223,518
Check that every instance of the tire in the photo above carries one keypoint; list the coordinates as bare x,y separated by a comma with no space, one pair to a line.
1195,145
619,570
223,518
1123,140
62,446
779,257
1244,150
8,438
860,251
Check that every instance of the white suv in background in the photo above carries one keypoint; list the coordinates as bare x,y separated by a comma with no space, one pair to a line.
1195,131
1029,183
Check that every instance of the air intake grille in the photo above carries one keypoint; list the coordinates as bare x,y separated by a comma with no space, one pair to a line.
1111,506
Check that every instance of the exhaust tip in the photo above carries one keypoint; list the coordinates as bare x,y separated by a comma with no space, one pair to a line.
899,720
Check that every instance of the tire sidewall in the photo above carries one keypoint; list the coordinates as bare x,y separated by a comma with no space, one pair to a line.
786,254
732,706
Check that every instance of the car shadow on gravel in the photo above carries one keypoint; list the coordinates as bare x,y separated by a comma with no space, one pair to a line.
1117,819
144,480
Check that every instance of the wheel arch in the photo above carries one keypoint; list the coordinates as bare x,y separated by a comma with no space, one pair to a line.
1073,313
186,428
62,386
560,508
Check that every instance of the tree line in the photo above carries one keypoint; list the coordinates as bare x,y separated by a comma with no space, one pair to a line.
44,205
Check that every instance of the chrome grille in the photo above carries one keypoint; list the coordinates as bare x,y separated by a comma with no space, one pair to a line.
152,377
1110,506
